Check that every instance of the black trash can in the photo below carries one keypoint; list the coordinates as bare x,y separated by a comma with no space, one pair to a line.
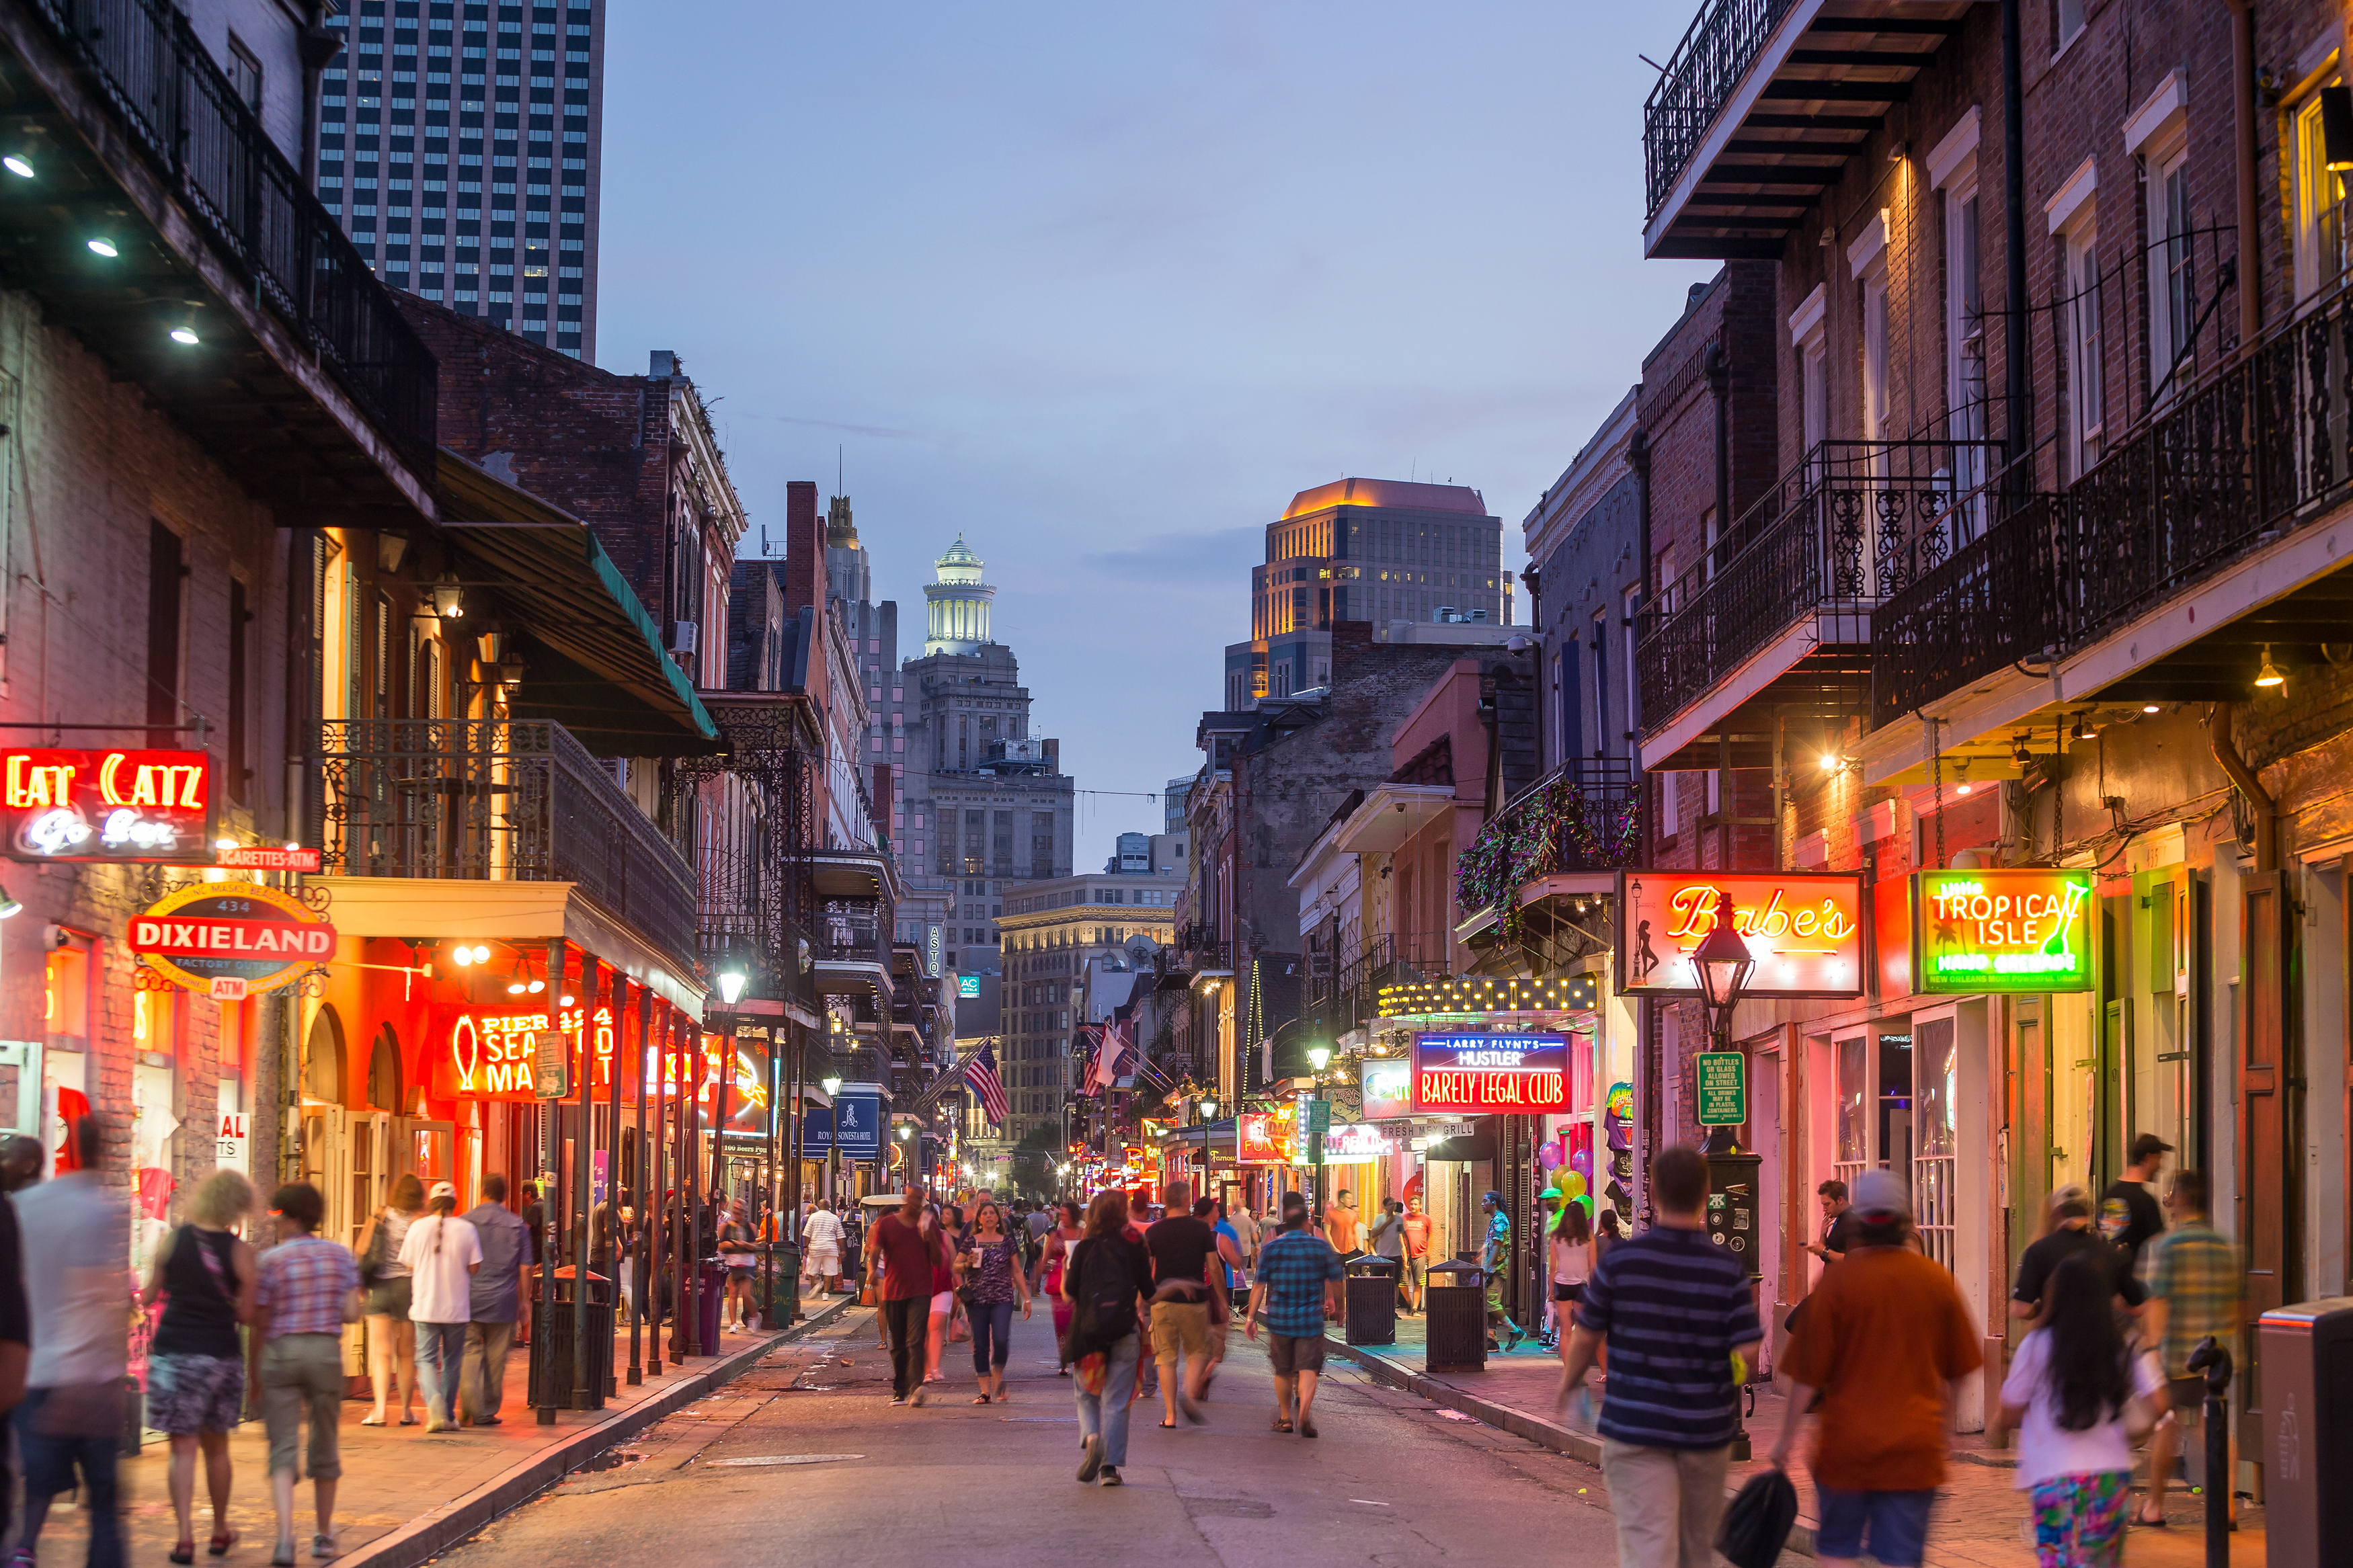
776,1285
1372,1301
552,1346
1455,1309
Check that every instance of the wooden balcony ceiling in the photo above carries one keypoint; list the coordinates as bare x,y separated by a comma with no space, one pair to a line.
1828,685
1810,101
2221,667
245,391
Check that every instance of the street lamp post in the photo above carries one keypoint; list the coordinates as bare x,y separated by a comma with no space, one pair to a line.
1724,964
832,1086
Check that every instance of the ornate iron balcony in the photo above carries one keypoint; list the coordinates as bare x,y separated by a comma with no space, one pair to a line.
1585,816
471,799
2258,448
1703,72
178,109
1851,524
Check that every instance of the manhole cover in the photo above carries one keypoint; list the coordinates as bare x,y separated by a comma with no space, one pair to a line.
785,1459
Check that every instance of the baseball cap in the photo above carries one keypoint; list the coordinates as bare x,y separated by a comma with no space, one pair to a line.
1875,1192
2073,1199
442,1190
2146,1144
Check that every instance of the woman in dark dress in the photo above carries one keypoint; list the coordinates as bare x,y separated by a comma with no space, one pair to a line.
204,1276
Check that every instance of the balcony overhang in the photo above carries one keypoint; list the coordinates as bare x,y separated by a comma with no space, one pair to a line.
853,873
852,977
251,391
1777,133
610,682
432,909
1816,670
2203,645
1391,814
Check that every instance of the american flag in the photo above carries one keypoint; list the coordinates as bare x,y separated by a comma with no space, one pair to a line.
980,1074
1111,1059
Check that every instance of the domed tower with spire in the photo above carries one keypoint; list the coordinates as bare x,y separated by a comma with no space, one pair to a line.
956,603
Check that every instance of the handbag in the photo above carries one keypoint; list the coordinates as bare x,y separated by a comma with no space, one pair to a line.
373,1259
1756,1522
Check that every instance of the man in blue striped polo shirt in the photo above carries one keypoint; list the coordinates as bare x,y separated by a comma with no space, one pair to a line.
1677,1312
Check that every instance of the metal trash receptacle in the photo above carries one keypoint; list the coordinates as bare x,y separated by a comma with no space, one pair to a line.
552,1345
1455,1315
776,1285
2307,1367
1372,1301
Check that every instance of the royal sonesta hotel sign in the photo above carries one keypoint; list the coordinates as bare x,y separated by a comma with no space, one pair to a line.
1490,1072
1975,932
1804,930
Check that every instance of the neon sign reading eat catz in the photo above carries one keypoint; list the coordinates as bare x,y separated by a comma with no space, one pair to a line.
2026,929
1803,929
107,806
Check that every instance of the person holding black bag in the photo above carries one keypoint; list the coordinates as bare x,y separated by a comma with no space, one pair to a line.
205,1276
391,1337
1108,1276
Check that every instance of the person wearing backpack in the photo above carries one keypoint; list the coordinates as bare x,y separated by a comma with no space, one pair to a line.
1108,1275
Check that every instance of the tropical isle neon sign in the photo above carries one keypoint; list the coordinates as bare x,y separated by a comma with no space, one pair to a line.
1803,928
2026,929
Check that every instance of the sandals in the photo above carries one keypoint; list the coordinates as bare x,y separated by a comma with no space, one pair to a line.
1282,1423
1167,1426
374,1420
221,1542
187,1553
981,1400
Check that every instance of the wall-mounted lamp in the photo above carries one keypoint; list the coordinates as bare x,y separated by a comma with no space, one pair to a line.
2269,676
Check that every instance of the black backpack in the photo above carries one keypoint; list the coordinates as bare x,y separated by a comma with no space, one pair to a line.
1105,1304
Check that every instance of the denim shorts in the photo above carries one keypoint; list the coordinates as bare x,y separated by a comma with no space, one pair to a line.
1896,1524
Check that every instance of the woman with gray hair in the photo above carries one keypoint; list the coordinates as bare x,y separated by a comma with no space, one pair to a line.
204,1276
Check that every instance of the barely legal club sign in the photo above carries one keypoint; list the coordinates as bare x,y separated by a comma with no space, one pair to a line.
2023,930
1804,930
1482,1072
142,805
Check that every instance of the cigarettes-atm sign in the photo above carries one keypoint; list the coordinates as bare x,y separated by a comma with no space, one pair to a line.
1975,931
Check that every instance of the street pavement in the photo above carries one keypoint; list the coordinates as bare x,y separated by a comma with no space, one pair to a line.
802,1459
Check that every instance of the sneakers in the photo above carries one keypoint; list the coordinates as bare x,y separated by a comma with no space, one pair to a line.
1111,1476
919,1395
1091,1461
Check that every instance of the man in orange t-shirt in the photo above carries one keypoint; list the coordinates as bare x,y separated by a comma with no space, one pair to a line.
1885,1336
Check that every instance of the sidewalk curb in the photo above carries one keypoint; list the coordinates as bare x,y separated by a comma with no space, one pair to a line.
1518,1423
438,1529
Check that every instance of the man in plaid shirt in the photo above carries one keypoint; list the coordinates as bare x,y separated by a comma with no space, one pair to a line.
296,1357
2193,1291
1297,1275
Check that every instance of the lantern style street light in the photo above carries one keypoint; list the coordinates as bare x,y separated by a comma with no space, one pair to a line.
1724,964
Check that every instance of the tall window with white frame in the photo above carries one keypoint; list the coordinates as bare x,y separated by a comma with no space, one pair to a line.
2172,278
2086,403
1964,354
2322,252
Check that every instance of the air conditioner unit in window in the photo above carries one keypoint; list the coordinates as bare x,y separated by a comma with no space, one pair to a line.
682,636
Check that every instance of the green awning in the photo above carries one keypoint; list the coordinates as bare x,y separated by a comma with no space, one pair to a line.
608,680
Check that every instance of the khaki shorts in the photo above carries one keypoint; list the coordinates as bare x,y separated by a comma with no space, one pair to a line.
1183,1327
1294,1353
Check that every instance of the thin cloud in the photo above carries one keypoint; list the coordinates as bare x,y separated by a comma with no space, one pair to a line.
881,432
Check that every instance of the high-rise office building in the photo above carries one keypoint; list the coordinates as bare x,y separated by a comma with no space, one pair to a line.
460,145
1390,552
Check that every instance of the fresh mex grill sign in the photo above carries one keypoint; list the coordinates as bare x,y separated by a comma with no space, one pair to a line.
1487,1073
250,936
107,806
1803,929
1975,932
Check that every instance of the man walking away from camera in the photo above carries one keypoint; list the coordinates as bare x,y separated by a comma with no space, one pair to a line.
1676,1314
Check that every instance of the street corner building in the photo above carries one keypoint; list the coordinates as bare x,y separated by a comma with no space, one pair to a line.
401,773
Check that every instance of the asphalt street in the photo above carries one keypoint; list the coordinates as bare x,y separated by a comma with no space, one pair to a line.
803,1460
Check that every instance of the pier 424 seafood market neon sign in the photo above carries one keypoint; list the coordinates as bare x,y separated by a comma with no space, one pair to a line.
1975,932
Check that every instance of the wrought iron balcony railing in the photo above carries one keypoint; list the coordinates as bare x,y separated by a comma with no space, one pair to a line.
178,108
850,931
1586,815
1855,523
2261,446
1702,75
475,800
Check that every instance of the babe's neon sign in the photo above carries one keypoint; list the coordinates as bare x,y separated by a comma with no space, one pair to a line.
107,806
1804,930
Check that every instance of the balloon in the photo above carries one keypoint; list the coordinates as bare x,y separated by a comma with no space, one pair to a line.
1574,1187
1548,1155
1582,1163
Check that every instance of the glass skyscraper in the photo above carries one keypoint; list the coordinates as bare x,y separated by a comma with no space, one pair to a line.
460,145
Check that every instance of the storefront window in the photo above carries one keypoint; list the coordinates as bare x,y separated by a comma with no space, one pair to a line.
1935,1176
1854,1106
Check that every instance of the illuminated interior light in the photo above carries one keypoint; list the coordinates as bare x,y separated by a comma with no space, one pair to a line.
104,247
17,167
185,335
2269,675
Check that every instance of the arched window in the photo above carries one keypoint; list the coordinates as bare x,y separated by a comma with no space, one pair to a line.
323,1065
383,1071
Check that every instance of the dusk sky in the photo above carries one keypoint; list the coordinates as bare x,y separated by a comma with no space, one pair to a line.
1102,287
